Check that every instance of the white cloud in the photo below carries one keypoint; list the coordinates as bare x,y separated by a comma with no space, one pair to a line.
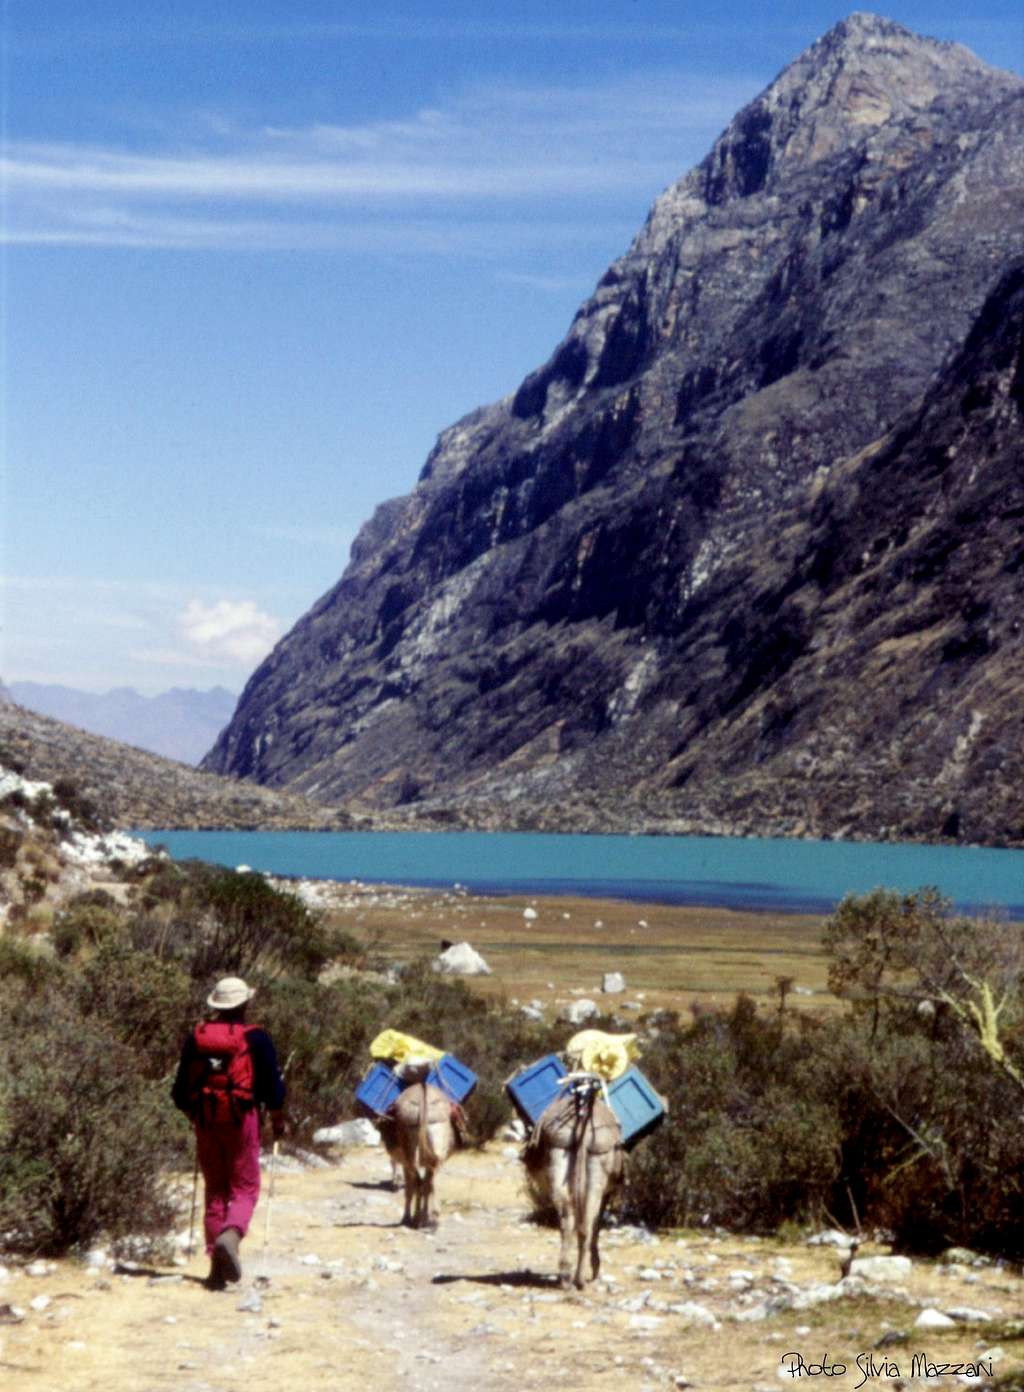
229,630
499,149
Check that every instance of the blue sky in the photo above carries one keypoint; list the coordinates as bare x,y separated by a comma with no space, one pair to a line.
256,256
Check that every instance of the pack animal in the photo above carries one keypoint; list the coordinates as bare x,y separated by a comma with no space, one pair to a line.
575,1159
420,1133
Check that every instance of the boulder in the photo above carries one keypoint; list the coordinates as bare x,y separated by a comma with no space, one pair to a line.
612,982
881,1268
461,960
579,1010
360,1132
934,1319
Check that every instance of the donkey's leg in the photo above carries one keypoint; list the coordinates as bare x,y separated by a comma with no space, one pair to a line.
559,1170
411,1192
588,1216
597,1196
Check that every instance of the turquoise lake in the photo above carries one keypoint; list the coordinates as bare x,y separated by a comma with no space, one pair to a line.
743,873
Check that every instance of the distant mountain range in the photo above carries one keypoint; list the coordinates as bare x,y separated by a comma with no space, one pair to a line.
180,724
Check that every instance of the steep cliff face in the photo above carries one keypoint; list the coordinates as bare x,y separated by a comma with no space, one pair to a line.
600,584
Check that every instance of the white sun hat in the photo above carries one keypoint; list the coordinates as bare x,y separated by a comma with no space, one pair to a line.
229,993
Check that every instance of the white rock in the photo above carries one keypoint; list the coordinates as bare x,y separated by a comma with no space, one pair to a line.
831,1237
881,1268
694,1313
360,1132
39,1303
579,1010
530,914
612,983
934,1319
85,849
965,1314
648,1322
38,1268
751,1316
461,960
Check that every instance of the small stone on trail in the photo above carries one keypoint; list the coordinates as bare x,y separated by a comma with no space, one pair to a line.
251,1303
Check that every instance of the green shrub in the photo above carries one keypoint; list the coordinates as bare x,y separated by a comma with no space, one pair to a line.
750,1141
11,839
79,804
147,1004
84,925
84,1140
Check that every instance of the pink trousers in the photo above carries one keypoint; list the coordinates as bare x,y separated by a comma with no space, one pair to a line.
229,1157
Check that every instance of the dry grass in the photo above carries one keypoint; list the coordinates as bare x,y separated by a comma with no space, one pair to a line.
670,956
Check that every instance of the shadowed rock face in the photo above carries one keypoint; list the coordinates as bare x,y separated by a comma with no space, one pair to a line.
636,591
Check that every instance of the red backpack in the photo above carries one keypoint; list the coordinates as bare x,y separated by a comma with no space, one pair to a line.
223,1079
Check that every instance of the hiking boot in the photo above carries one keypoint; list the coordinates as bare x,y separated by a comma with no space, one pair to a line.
227,1265
215,1281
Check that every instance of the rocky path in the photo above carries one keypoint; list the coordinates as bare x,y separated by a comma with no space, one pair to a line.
346,1299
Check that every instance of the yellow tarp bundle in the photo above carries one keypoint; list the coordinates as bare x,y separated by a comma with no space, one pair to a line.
403,1048
607,1055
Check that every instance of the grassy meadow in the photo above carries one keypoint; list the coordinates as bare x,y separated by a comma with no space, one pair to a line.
669,955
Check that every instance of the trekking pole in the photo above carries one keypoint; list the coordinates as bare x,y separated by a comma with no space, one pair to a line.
270,1199
192,1215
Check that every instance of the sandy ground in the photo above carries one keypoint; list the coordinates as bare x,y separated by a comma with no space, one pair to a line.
348,1299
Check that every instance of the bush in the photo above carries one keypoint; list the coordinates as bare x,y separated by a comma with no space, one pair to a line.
11,839
84,925
750,1141
84,1141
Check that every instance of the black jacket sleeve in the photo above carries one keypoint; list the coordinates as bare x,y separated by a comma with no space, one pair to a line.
269,1086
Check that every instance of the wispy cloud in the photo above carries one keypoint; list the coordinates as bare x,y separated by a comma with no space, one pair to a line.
496,150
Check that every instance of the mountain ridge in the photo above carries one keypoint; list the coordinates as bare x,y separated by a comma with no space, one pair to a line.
576,572
180,723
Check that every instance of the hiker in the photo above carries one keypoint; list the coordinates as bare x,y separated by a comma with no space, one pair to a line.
227,1074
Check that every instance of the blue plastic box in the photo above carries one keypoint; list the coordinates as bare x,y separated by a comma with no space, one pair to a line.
452,1077
378,1089
636,1104
536,1087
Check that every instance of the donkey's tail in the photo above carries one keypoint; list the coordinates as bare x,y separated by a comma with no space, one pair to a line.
426,1156
583,1122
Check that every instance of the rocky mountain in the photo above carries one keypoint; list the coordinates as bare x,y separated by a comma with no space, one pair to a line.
181,723
119,786
738,557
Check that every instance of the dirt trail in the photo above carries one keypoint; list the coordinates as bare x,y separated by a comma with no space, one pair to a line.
355,1301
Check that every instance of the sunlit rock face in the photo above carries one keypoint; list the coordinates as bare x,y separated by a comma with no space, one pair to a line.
636,591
